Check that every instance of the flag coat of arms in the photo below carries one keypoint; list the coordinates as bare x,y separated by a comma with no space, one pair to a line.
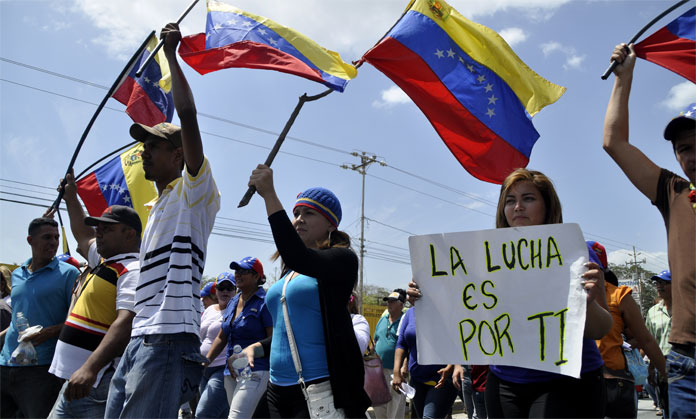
235,38
120,181
478,95
148,98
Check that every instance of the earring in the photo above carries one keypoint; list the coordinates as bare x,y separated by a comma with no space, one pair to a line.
329,236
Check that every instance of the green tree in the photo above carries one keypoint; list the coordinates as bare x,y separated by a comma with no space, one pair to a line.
648,292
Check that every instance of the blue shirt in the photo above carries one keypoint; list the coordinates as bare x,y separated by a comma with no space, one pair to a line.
385,340
44,298
407,341
247,328
591,360
302,296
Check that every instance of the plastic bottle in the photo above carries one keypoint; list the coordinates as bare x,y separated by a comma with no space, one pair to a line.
24,354
22,323
240,363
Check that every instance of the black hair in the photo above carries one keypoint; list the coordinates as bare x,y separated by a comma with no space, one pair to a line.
611,278
36,223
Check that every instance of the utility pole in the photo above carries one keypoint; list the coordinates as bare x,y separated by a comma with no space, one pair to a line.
361,168
635,265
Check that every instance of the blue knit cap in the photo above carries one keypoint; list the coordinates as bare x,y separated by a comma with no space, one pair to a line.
323,201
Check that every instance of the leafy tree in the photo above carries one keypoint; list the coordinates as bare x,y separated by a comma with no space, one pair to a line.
648,292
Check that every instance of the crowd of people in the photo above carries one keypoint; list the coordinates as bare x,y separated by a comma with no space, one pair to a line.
136,335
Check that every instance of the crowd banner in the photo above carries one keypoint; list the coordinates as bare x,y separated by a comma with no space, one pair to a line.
509,296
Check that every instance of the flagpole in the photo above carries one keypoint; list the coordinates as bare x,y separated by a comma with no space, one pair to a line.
111,91
613,64
104,158
276,147
161,42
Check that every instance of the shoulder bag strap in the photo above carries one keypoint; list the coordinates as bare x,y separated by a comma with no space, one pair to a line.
291,336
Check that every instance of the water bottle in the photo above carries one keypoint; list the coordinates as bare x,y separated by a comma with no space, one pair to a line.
22,323
240,363
24,354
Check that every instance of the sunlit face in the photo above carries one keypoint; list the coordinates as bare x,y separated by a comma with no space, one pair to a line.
160,159
394,305
44,243
110,238
311,226
524,205
685,151
224,290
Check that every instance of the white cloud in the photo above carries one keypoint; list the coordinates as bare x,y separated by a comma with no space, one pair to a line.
573,59
680,96
391,97
348,29
513,36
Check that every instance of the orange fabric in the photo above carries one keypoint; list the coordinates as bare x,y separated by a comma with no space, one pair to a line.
610,345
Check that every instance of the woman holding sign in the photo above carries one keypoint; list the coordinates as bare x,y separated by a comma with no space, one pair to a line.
528,198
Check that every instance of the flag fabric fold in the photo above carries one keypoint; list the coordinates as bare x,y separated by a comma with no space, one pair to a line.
674,46
148,98
478,95
120,181
235,38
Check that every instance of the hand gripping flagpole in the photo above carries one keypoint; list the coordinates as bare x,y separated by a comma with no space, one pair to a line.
111,91
276,147
613,64
161,42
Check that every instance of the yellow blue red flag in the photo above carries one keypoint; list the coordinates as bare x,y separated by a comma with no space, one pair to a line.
235,38
121,181
148,98
475,91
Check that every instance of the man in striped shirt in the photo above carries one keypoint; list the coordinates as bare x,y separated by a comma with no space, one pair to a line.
162,365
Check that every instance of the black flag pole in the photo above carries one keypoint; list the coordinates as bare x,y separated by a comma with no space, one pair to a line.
276,147
111,91
82,173
613,64
161,42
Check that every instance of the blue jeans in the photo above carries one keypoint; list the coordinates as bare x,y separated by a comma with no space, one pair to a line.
213,402
432,403
681,374
92,406
156,375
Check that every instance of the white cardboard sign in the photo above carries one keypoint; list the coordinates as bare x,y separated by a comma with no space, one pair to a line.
509,296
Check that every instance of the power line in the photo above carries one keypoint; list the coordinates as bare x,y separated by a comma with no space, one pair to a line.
389,226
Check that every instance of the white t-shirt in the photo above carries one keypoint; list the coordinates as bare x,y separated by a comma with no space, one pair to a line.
172,255
211,322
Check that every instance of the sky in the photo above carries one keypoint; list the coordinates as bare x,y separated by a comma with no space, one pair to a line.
57,56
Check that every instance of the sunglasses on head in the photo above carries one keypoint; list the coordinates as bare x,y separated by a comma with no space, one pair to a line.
225,286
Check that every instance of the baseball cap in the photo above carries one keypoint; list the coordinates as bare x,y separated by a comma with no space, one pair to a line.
250,263
208,289
165,131
226,276
598,254
685,120
396,295
664,276
118,214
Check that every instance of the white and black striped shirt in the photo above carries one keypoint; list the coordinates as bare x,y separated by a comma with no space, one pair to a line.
172,255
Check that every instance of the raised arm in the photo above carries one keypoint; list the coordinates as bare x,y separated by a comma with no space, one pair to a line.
183,102
83,234
639,169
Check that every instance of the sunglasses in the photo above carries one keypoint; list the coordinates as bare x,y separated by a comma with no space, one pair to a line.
244,271
225,287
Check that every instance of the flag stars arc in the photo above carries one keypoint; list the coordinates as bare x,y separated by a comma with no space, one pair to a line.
479,77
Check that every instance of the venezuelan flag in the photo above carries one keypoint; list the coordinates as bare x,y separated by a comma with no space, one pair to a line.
235,38
148,98
478,95
674,46
121,181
